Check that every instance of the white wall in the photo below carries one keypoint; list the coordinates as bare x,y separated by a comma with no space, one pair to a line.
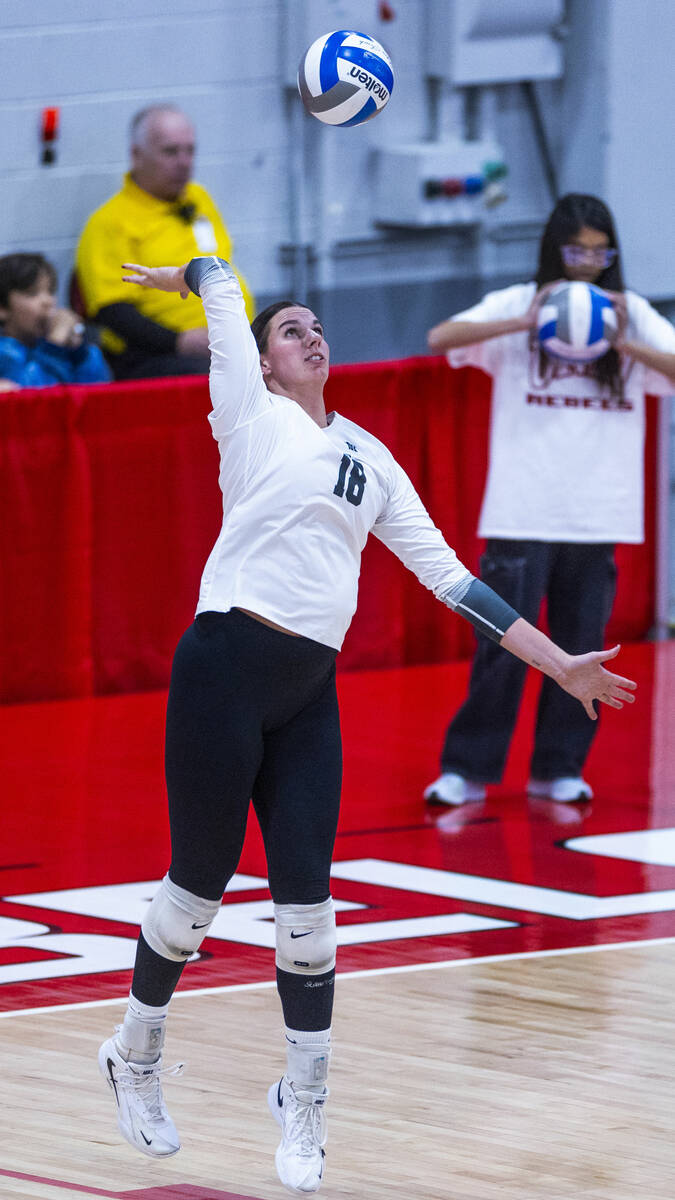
641,158
619,106
619,114
212,58
230,65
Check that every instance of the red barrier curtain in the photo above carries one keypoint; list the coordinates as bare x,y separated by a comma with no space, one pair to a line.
110,505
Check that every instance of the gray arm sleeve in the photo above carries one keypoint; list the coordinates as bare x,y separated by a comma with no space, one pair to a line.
198,268
483,608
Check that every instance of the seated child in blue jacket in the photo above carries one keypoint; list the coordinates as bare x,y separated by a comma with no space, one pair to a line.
41,344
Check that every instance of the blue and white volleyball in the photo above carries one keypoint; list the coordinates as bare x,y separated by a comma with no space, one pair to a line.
576,322
345,78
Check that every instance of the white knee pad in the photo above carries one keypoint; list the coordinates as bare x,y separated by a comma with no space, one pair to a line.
177,922
306,937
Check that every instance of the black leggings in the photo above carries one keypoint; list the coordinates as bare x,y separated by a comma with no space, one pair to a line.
252,713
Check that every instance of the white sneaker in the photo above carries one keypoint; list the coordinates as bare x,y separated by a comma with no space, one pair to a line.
565,790
300,1153
450,788
141,1115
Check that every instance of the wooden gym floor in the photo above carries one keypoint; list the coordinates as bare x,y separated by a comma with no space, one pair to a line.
503,1022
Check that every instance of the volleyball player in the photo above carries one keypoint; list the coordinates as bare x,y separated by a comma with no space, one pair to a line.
252,709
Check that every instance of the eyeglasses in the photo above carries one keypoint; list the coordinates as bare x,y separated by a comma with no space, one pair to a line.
577,256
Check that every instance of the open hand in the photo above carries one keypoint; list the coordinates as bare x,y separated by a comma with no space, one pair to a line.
587,680
165,279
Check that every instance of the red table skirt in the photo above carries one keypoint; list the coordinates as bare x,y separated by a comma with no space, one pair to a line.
110,506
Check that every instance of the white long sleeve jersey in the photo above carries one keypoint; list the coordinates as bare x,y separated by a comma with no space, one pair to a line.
566,454
299,501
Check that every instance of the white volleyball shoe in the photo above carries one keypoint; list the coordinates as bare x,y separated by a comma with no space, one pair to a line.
300,1154
141,1113
451,788
567,789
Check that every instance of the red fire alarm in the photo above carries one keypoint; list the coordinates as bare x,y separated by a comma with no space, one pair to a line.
49,132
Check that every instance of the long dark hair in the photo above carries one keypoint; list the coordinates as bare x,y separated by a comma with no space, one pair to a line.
570,214
260,324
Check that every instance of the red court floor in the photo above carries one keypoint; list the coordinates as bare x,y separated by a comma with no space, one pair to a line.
85,840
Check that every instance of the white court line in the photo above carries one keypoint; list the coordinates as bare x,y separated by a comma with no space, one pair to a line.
432,966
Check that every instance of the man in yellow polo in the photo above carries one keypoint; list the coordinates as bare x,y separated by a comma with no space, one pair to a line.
159,216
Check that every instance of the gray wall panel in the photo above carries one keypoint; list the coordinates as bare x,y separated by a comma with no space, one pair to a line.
227,63
81,60
44,14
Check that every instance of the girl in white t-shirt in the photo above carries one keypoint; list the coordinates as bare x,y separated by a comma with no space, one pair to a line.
252,710
565,483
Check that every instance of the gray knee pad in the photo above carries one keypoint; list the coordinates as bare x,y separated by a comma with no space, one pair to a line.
306,938
177,922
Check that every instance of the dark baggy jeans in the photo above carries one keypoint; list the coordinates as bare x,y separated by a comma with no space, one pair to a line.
578,581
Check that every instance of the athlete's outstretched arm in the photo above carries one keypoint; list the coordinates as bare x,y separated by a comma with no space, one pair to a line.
164,279
238,392
582,675
407,529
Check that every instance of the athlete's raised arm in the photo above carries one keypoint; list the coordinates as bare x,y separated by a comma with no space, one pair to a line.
163,279
238,392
